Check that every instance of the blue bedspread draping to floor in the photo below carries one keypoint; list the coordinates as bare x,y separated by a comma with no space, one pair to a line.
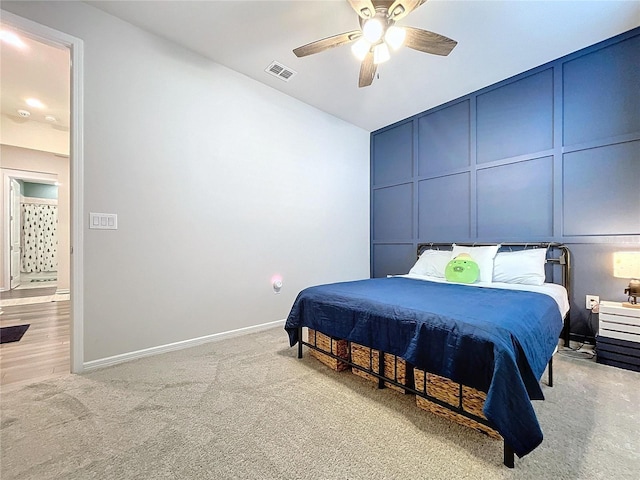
494,340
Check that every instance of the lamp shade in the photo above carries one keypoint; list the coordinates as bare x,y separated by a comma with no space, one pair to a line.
373,30
381,53
626,265
361,48
395,36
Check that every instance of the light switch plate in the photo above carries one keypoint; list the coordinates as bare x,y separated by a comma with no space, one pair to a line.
103,221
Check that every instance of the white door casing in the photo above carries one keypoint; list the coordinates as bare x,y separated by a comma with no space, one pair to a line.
16,222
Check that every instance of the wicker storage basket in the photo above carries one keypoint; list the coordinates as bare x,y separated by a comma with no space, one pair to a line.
395,368
449,391
332,345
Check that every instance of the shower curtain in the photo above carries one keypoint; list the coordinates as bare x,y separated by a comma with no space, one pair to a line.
39,240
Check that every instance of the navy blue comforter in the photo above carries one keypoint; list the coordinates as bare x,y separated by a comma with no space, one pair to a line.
497,341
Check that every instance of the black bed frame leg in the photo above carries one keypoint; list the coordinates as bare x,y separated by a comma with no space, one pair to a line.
299,342
508,455
381,369
550,372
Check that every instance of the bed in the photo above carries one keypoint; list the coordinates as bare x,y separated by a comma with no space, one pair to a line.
497,335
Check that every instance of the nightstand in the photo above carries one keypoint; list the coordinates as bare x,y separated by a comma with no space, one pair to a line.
618,341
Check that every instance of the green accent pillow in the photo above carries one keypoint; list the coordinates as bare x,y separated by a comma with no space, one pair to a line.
462,269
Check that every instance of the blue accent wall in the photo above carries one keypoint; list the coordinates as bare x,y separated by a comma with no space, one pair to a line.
552,154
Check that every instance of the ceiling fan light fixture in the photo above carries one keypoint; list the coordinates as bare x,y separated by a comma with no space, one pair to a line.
381,53
395,36
378,33
361,48
373,30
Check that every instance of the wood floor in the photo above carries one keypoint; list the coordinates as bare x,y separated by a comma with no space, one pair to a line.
43,351
27,293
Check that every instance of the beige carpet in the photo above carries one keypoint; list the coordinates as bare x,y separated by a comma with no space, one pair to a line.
246,408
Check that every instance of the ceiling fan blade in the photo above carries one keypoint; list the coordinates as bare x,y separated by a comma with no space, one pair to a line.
401,8
326,43
367,71
364,8
428,42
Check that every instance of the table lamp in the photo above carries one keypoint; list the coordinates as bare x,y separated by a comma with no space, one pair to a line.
627,265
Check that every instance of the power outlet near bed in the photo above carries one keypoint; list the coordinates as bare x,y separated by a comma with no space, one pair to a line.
592,301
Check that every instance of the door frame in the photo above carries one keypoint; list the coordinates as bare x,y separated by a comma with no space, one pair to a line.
15,228
27,176
75,45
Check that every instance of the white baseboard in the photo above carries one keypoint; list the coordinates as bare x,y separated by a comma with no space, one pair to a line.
147,352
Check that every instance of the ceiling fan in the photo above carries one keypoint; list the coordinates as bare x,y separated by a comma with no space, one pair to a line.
378,31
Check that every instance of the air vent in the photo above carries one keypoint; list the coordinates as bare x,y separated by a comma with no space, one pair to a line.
278,70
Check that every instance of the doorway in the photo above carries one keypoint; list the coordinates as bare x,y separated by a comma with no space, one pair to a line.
32,244
74,185
37,224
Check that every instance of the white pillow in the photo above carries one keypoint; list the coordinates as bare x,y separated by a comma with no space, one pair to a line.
524,266
483,256
432,263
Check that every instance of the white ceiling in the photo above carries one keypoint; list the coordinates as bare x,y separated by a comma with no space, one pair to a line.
35,70
496,40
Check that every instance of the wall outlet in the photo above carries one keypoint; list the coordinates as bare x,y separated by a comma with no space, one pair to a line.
592,301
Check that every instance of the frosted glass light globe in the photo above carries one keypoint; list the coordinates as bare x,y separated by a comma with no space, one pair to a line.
361,48
373,30
395,36
381,53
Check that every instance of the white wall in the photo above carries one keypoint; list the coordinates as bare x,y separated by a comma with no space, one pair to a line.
219,183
